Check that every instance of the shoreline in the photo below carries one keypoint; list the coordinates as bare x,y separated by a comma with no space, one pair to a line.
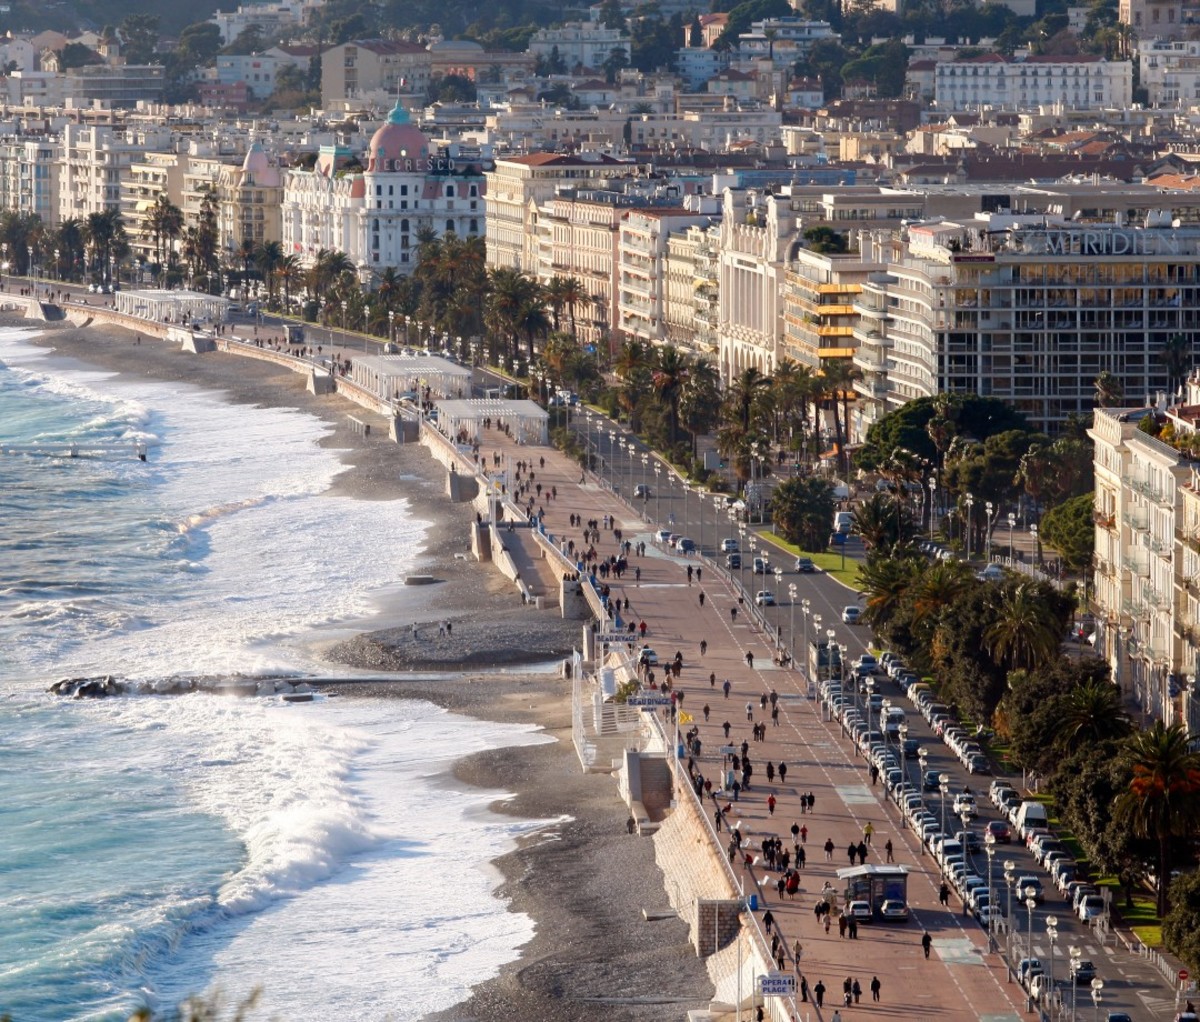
582,880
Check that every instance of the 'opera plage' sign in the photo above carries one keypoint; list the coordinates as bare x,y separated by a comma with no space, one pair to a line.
1099,243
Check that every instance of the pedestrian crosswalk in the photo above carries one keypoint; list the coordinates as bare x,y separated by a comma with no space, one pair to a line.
958,951
855,794
1089,952
1159,1007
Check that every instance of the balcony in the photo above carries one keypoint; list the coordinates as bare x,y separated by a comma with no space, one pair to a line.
1105,521
1135,564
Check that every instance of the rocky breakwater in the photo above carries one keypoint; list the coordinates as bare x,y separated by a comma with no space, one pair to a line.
107,685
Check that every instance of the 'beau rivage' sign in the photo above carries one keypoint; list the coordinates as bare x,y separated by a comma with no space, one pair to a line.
1100,243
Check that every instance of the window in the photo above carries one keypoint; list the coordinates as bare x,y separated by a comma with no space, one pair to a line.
474,226
404,189
449,191
379,189
404,226
474,190
391,189
449,226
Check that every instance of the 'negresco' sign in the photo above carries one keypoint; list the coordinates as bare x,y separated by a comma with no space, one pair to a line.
1099,243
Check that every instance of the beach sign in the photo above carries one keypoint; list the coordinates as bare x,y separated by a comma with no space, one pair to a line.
648,701
777,984
615,637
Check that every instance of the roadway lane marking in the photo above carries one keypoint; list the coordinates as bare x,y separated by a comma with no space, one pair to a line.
955,951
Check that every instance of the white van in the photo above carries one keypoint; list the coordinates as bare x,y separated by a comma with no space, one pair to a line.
1030,814
893,719
843,522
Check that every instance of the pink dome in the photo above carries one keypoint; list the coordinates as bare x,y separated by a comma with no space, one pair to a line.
258,169
397,140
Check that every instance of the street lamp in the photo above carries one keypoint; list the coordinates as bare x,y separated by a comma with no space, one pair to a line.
792,592
345,308
1009,883
932,495
990,509
903,758
1033,531
778,579
1076,960
868,691
657,493
943,788
883,714
1012,521
989,845
1052,936
805,609
1097,986
969,500
1030,904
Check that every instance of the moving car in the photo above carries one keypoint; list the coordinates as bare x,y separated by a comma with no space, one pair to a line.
1082,971
965,804
642,491
729,546
733,560
765,598
1000,831
805,565
647,654
850,615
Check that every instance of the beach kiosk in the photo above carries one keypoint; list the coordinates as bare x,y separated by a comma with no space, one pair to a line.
462,421
875,884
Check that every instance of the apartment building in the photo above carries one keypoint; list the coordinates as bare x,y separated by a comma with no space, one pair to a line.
249,201
757,231
1169,70
578,231
92,163
641,268
579,44
29,177
148,177
1152,19
518,186
1081,82
818,306
690,290
366,67
1028,308
1147,567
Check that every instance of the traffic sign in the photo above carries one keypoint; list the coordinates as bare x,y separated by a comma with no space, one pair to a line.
648,701
1183,975
777,984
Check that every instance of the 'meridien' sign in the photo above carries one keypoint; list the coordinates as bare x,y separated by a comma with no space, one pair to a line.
1099,243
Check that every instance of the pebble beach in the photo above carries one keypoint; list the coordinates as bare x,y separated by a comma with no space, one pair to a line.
586,885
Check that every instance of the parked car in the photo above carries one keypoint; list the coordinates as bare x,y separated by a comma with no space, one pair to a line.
1090,907
860,910
805,565
1000,831
1028,882
850,615
733,561
1082,971
765,598
663,535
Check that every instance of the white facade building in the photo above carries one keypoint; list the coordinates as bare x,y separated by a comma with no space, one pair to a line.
642,269
1170,71
374,216
1084,82
579,43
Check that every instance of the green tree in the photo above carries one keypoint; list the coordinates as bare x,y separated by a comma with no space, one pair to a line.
884,522
139,37
611,16
801,509
77,55
1181,925
1177,357
249,40
825,239
1070,529
1023,635
1109,391
616,61
199,43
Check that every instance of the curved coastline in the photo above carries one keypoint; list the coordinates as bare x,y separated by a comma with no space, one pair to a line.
583,881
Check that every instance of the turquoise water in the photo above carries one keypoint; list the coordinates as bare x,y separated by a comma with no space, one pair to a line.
156,847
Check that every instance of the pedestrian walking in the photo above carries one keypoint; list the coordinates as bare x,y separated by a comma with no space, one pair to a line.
733,615
803,985
856,989
768,921
770,805
771,773
852,852
725,727
943,895
801,857
795,831
926,942
888,849
847,990
819,994
842,926
836,1016
875,988
782,773
852,928
862,852
703,646
726,687
750,712
868,830
707,711
701,597
828,920
829,849
718,818
712,679
804,835
797,951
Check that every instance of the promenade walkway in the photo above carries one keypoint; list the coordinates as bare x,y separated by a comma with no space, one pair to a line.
959,981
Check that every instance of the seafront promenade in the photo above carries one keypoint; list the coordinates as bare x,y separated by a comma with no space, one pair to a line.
959,980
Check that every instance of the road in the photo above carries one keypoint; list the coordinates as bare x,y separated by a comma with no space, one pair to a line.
1131,984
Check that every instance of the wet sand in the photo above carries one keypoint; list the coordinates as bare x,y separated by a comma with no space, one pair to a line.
586,882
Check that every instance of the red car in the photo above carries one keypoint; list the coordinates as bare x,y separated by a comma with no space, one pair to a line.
999,830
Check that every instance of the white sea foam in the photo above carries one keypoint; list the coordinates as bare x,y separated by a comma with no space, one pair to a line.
245,841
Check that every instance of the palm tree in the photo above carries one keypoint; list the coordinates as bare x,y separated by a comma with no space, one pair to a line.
669,374
1177,357
267,257
511,295
105,233
1163,795
886,582
1093,714
289,272
1023,635
838,376
700,400
165,223
1109,392
940,586
743,395
69,241
882,523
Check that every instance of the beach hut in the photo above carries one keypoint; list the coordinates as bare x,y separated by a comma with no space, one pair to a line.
164,306
412,377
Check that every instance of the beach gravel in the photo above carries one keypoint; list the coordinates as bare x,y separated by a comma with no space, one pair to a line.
583,879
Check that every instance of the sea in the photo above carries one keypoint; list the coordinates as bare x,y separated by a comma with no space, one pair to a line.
155,848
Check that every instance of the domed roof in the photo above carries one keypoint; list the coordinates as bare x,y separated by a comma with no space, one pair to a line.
258,169
397,139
